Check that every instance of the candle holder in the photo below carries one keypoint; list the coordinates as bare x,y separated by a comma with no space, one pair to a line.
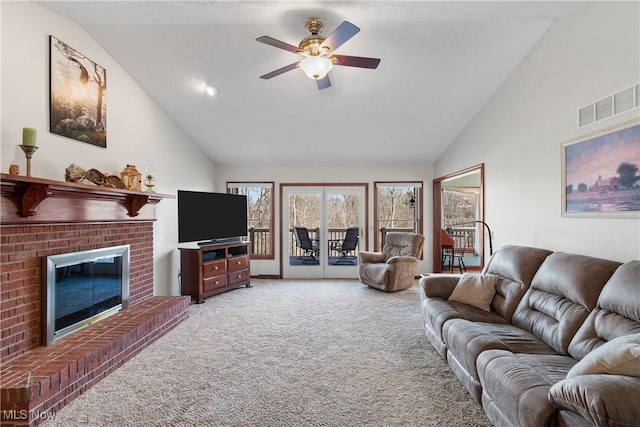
28,153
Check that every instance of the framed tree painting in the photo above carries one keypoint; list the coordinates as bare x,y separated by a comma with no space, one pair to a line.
78,102
600,173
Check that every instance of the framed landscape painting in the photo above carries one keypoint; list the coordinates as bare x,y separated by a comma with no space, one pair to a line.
78,103
600,173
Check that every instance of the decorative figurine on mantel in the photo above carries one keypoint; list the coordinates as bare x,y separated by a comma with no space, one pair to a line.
75,173
131,177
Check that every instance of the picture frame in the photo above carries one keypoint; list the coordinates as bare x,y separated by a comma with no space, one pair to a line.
78,95
601,173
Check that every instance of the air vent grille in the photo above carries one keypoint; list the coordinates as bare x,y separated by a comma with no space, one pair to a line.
610,106
624,101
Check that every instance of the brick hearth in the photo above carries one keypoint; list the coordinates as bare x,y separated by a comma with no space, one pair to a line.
40,382
42,218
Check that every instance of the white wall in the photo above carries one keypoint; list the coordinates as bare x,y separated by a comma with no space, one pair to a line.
583,57
137,129
331,175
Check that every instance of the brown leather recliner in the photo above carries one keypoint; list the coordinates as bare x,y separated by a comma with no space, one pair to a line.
395,267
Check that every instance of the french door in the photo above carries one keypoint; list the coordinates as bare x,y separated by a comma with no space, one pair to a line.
326,212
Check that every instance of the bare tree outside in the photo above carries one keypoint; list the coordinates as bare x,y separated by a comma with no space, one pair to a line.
304,210
459,207
395,210
342,211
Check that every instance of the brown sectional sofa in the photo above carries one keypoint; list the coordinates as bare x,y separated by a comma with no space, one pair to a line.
540,355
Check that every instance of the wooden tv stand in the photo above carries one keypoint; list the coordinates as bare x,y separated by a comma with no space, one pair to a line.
212,269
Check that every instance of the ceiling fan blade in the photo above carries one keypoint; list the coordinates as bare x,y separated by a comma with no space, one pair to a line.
277,43
355,61
281,70
324,82
340,35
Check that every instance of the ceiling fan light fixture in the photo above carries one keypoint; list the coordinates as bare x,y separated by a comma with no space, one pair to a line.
316,67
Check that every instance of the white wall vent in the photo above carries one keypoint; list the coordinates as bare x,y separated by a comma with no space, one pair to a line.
610,106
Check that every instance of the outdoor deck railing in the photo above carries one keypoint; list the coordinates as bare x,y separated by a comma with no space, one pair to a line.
259,238
260,241
464,236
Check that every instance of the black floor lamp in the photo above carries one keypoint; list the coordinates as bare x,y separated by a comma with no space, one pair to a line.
448,228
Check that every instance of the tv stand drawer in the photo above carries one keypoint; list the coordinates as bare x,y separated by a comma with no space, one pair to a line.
237,263
238,276
214,283
213,268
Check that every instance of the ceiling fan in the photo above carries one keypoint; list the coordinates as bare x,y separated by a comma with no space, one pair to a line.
318,54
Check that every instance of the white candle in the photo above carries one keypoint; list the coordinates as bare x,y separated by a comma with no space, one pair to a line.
29,136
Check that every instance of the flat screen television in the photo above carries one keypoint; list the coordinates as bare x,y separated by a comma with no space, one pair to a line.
211,217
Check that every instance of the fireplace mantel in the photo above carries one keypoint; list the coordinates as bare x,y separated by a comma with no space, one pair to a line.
29,200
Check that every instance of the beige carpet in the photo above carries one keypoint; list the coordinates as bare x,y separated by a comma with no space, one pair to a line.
286,353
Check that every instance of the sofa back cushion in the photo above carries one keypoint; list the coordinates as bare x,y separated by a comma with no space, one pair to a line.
515,266
562,294
617,312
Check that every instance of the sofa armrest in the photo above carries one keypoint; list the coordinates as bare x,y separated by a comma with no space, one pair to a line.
370,257
398,259
439,285
602,399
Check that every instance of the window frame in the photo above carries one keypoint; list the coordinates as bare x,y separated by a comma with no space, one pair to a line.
271,230
418,211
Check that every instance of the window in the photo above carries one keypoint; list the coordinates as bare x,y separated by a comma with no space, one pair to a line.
398,207
259,215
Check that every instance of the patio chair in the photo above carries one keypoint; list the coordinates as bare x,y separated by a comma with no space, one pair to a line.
347,247
307,245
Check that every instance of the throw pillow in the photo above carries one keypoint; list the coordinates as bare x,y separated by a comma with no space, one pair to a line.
620,356
476,290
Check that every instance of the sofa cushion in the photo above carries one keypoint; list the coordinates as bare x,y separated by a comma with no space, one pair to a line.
467,340
620,356
516,266
476,290
562,293
518,263
515,386
621,294
616,314
436,312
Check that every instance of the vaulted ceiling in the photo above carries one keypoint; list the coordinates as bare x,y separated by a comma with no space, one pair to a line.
440,63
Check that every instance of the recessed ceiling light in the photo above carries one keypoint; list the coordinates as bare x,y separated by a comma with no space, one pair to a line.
211,91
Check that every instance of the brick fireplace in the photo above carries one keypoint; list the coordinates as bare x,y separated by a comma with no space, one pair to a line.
42,218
